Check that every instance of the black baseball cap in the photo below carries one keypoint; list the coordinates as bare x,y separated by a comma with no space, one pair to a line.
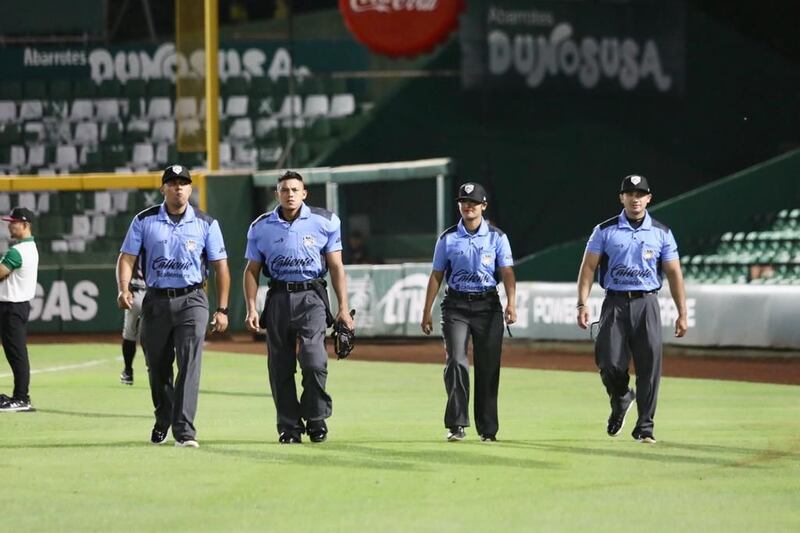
175,171
19,214
472,191
634,182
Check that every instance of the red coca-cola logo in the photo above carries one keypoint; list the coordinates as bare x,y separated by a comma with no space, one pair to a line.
401,27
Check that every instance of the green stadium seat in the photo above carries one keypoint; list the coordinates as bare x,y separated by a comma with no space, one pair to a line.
60,90
34,90
160,88
109,89
10,134
134,89
11,90
84,88
235,86
261,87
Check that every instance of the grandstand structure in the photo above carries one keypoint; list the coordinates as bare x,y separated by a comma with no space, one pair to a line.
767,255
66,127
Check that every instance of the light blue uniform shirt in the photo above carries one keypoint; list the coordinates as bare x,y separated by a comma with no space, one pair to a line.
631,259
470,261
294,251
174,255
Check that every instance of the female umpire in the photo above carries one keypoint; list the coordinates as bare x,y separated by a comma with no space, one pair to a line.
473,256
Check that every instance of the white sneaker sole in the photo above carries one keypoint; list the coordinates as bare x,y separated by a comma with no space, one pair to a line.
646,440
187,444
17,409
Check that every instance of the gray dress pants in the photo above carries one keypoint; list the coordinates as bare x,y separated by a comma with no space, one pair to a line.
295,319
631,328
174,328
482,320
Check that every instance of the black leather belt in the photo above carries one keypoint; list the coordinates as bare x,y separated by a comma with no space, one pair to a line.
295,286
174,293
630,295
471,296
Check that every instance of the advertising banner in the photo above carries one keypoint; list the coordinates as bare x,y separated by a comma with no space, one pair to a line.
574,46
162,61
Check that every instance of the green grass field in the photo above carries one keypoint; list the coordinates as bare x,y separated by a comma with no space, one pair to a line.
727,459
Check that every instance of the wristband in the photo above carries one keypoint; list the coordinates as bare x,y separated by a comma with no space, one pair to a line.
579,306
223,310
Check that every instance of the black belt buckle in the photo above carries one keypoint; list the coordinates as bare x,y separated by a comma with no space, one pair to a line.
172,293
295,286
473,296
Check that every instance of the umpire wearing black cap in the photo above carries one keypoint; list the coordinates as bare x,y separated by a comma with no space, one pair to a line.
177,244
474,256
631,249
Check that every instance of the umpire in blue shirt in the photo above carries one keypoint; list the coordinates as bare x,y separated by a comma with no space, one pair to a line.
176,243
473,256
295,245
632,250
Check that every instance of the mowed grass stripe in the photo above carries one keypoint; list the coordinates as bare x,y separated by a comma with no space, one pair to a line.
726,459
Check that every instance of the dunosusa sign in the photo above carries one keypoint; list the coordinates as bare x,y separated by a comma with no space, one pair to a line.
401,27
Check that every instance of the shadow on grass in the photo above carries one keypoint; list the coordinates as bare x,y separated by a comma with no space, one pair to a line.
66,445
241,394
283,454
86,414
660,452
349,455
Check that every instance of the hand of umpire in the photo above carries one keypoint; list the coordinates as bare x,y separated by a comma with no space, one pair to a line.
427,323
344,317
251,322
681,326
510,314
219,323
583,317
125,300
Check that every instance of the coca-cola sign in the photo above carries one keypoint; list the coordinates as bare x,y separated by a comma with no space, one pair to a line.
401,27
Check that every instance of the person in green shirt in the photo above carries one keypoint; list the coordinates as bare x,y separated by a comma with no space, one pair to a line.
18,272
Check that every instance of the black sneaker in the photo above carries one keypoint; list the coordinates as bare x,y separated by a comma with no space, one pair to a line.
456,433
158,436
619,408
317,430
488,438
12,405
645,437
126,378
289,437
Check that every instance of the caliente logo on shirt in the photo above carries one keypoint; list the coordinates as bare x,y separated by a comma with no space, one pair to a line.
164,263
465,276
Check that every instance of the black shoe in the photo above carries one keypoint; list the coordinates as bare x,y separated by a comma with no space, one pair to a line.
158,436
289,437
645,437
12,405
126,378
488,438
619,408
317,430
456,433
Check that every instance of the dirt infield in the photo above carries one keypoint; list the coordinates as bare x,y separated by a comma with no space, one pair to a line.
728,364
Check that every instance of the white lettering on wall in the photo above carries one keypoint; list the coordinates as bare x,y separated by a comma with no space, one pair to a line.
59,302
537,57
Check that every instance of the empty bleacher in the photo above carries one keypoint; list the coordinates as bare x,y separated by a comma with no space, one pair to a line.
768,253
78,227
62,127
